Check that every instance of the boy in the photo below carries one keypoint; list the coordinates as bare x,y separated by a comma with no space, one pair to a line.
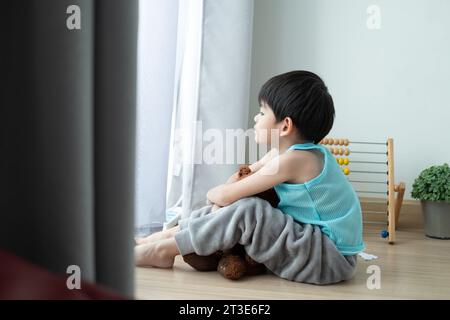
316,231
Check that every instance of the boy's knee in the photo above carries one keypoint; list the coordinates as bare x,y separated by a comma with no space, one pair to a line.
251,206
250,202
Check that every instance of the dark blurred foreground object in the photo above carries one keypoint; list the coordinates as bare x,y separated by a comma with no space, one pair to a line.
21,280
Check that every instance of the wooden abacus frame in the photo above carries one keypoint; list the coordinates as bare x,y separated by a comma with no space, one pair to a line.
394,203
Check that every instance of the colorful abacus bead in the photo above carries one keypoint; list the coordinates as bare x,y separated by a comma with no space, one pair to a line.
346,171
384,234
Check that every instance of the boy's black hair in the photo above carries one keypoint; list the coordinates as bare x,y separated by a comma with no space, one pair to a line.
302,96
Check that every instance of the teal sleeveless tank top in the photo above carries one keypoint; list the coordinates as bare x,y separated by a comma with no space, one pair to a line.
328,200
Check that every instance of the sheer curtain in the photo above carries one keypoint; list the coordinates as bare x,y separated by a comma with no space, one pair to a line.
213,63
157,42
193,67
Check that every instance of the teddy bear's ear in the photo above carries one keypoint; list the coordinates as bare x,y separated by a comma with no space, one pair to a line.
244,170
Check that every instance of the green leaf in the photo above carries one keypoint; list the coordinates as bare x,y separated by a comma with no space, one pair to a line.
433,184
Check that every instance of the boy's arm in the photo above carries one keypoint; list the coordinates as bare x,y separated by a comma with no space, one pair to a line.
256,166
274,172
261,162
233,178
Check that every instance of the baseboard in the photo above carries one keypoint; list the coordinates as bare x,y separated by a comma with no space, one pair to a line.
410,213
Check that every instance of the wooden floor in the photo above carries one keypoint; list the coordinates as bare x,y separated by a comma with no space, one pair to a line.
415,267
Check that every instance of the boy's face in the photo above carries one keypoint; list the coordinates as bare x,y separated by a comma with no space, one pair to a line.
265,121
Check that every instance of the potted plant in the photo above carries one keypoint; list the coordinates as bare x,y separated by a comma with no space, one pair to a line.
432,188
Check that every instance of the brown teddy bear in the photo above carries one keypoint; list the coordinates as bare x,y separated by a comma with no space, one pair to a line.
233,263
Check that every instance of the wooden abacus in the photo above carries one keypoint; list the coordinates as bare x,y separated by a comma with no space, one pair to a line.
394,203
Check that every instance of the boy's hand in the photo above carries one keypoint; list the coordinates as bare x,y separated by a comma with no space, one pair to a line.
215,194
244,170
235,177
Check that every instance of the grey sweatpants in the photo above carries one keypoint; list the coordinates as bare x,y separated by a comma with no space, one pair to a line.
293,251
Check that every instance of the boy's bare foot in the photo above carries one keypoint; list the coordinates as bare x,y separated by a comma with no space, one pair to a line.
165,234
160,254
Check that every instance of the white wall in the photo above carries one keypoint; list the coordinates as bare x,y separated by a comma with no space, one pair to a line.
391,82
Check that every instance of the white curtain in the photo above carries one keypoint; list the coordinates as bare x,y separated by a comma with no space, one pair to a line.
157,44
213,84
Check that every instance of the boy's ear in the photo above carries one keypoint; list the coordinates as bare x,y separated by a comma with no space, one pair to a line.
286,127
